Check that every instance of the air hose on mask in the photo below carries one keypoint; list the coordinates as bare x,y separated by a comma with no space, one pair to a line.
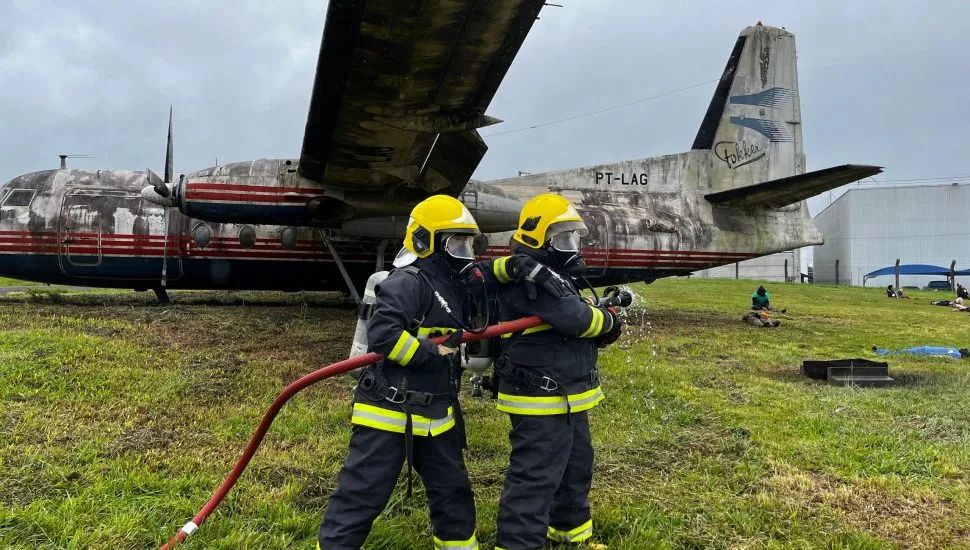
300,384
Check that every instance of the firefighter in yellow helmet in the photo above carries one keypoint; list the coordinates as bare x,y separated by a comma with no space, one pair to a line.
406,407
547,382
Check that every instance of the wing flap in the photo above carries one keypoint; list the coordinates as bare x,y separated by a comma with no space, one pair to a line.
784,191
393,78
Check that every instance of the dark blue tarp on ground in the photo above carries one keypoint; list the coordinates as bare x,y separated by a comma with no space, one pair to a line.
915,269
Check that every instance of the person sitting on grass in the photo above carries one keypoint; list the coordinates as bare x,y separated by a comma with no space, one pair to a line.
962,293
761,300
898,293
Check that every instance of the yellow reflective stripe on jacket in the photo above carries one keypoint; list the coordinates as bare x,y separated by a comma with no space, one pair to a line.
469,544
404,349
540,328
500,270
395,421
595,325
553,404
425,332
578,534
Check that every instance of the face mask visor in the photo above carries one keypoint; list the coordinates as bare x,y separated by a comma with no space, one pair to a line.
568,241
461,247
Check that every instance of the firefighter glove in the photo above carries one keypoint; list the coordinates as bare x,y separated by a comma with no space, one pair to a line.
451,344
550,281
613,334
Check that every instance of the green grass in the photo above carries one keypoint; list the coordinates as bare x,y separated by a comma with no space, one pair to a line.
5,281
120,416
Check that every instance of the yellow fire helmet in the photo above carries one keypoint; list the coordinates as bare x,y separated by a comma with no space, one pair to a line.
545,216
435,214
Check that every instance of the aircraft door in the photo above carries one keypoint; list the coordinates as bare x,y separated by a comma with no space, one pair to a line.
596,245
115,234
79,236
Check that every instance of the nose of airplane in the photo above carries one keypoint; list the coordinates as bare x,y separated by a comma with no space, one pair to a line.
151,194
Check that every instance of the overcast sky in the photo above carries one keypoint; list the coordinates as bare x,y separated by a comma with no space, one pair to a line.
881,82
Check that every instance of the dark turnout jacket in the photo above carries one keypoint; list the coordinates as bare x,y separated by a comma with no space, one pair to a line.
411,360
563,349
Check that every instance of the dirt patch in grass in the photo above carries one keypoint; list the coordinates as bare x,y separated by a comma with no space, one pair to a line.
940,429
681,448
680,320
880,511
140,439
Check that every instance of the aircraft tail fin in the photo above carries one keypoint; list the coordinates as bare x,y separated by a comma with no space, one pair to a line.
752,128
782,192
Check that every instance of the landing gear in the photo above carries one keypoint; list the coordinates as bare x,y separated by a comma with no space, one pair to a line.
343,270
162,295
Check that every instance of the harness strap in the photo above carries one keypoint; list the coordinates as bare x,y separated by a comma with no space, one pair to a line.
427,300
408,436
530,380
374,385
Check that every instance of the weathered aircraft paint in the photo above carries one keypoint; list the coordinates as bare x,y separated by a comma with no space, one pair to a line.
737,194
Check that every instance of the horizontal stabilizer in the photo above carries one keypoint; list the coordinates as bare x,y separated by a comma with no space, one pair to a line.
785,191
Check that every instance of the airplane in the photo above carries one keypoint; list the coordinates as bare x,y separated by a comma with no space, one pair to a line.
399,95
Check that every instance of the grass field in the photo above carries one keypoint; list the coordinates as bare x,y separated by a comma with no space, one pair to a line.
4,281
120,416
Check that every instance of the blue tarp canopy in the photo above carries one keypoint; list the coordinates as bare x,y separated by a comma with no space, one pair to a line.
915,269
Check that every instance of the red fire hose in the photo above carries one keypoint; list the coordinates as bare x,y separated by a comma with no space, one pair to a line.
291,390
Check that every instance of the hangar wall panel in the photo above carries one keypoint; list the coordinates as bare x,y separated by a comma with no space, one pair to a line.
867,229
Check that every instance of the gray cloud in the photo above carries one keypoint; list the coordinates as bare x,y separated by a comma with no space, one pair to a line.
880,83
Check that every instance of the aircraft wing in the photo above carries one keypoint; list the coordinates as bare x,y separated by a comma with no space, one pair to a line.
402,86
784,191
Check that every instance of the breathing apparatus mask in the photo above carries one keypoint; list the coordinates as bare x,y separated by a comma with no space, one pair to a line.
459,250
565,247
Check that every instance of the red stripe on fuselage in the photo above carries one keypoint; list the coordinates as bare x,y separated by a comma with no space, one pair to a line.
216,186
211,196
224,247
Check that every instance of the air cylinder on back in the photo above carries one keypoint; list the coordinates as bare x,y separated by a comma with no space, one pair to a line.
359,346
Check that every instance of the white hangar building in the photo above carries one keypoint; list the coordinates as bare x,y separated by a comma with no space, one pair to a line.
869,228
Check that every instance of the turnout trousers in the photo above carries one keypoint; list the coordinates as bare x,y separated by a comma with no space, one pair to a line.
546,494
371,471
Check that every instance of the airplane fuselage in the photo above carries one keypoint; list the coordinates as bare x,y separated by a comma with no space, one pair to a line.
93,228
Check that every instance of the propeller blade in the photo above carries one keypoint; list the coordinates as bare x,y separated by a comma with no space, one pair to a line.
169,161
157,183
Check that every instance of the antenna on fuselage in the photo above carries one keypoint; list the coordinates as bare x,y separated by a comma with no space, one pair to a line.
65,157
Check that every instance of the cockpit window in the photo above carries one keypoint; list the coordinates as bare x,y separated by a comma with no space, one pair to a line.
19,197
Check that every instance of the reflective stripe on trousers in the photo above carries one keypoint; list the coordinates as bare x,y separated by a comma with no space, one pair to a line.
578,534
469,544
553,404
395,421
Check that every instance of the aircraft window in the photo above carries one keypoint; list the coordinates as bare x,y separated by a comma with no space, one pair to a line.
19,197
247,237
288,238
202,235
